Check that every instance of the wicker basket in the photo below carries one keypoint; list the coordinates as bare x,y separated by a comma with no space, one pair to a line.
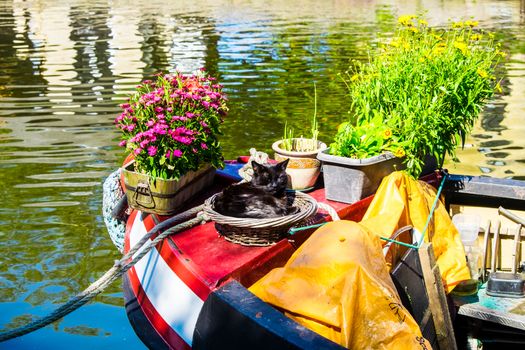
260,232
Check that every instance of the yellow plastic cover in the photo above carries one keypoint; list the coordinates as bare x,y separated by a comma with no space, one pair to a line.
400,200
338,285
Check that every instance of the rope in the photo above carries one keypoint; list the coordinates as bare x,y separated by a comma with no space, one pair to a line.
170,226
330,210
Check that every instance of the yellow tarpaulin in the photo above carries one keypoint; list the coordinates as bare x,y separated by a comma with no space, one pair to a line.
338,284
401,200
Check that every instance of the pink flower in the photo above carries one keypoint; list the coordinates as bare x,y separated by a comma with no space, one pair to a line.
137,151
183,139
122,143
152,150
204,146
158,109
177,153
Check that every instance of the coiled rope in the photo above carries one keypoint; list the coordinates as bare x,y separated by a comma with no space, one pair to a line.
180,222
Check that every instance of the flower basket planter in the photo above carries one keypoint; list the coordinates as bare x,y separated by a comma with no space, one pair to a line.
164,197
303,167
348,180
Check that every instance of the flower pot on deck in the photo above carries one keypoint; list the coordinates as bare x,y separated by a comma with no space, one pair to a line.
348,180
164,197
303,167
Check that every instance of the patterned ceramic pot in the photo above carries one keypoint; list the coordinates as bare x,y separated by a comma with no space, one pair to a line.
303,167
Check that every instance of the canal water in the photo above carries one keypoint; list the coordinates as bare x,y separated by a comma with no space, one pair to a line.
65,66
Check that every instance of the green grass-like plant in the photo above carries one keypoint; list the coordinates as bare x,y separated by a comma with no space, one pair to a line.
302,144
428,86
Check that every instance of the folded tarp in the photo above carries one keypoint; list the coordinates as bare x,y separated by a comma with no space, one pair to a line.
400,201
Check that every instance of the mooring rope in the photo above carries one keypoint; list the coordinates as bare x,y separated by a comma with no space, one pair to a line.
173,225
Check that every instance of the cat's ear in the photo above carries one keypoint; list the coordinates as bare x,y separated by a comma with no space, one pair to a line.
284,164
256,166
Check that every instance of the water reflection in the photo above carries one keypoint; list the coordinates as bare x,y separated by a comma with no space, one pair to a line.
66,65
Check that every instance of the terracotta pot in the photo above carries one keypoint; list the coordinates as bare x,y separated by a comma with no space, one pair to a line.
303,168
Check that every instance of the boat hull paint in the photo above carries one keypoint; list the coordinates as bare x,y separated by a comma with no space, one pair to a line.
147,334
166,300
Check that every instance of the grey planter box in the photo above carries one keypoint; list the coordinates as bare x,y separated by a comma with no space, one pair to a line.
348,180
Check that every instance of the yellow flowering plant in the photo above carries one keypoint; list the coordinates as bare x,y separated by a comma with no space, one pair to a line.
426,85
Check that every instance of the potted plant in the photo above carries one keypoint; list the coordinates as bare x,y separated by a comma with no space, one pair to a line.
426,86
171,126
303,167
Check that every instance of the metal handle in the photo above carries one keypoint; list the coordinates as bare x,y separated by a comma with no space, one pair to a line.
495,247
517,236
486,239
144,191
511,216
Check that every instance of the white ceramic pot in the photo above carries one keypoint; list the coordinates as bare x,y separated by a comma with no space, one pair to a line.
303,168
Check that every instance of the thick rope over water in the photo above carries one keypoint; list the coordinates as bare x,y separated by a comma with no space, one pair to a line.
183,221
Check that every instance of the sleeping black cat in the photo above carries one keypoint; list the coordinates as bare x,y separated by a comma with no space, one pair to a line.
263,197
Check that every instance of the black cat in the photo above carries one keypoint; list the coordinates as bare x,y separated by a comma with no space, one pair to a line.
263,197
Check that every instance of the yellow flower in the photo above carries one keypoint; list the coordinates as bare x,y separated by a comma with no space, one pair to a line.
423,23
387,134
482,73
457,25
501,53
399,152
421,59
354,77
406,45
438,51
414,30
406,20
471,24
476,37
461,46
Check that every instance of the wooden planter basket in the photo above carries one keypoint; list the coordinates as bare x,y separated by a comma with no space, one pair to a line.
261,232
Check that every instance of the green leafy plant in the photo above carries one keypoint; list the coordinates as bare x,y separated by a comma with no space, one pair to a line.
366,140
427,85
301,144
171,124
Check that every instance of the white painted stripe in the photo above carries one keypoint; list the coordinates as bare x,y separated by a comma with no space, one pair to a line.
178,305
